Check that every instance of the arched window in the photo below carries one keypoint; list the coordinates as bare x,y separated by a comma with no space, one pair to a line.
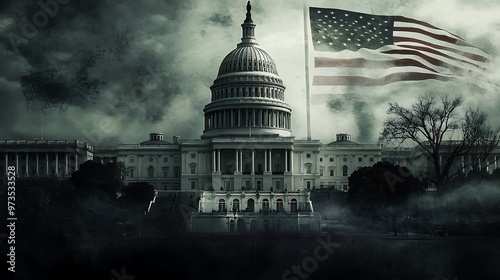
265,205
279,205
222,205
266,225
151,171
253,225
250,205
293,205
236,205
231,225
344,170
241,225
308,167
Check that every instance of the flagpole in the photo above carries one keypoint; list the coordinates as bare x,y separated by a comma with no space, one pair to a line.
308,94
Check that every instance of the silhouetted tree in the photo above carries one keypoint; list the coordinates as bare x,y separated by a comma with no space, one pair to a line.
428,120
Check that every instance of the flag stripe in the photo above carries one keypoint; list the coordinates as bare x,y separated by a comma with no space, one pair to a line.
443,38
434,61
364,81
476,57
411,20
436,52
369,64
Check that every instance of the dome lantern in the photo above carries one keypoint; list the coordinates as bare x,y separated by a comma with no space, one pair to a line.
248,27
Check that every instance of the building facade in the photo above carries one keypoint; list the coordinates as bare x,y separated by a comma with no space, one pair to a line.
250,172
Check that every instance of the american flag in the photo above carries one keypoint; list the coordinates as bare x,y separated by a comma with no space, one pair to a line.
357,49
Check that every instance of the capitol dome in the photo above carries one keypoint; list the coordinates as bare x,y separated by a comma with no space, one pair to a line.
248,93
248,58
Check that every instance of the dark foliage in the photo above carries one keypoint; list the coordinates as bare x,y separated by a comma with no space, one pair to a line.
138,194
382,185
96,177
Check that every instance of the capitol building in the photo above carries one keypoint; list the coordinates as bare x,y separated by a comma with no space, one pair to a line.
249,171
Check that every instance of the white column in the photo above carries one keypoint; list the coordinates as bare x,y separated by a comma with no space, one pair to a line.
291,160
237,161
253,118
66,164
76,161
139,166
215,164
232,118
47,164
239,117
218,160
37,174
57,163
17,162
241,160
265,160
286,160
253,161
27,170
270,161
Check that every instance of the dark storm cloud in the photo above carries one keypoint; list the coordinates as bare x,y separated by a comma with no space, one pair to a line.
221,19
97,55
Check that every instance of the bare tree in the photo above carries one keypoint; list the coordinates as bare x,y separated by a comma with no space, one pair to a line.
429,120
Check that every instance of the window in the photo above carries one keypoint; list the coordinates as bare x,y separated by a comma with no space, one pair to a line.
193,185
293,205
332,173
222,205
176,172
344,170
321,172
308,185
193,155
345,159
360,159
308,155
277,155
165,171
193,169
151,171
250,205
331,159
236,205
165,159
279,205
320,159
150,159
131,159
371,159
308,168
131,173
278,185
265,205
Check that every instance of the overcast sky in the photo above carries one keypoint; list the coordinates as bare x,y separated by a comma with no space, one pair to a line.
94,60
